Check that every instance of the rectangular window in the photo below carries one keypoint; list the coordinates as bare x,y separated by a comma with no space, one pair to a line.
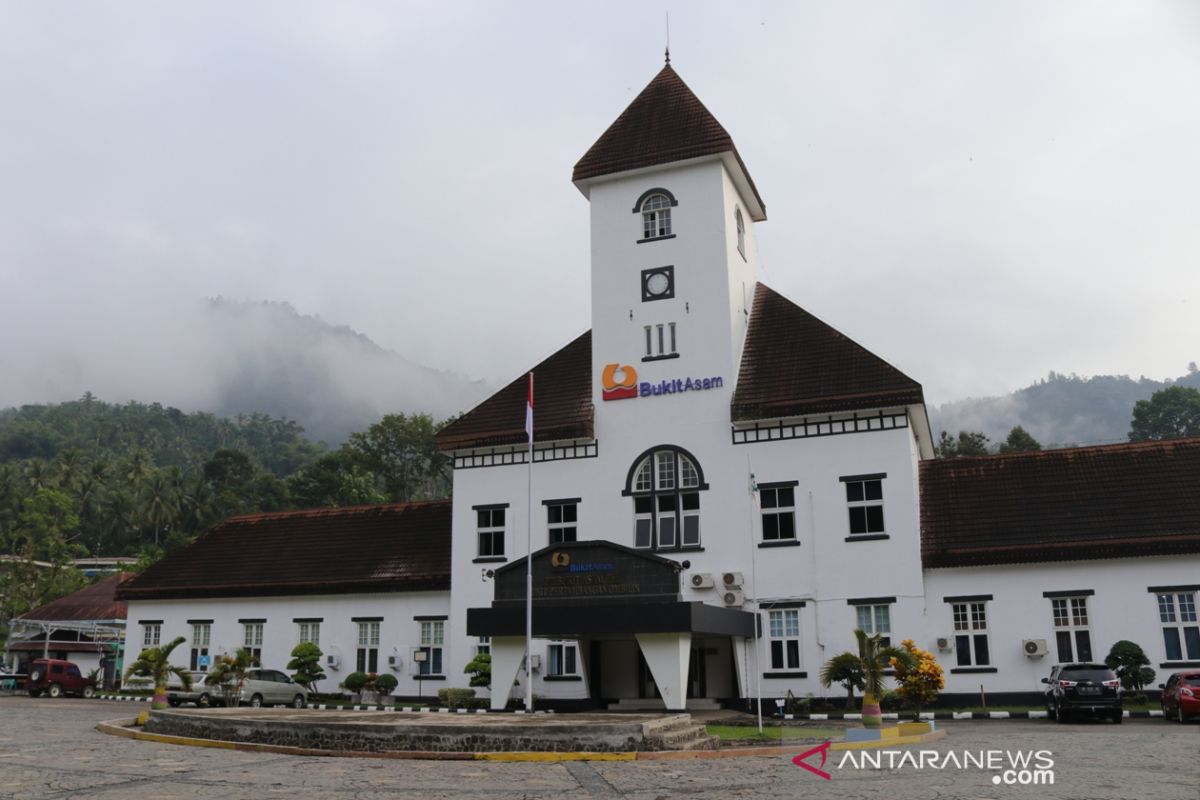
483,646
309,632
660,340
778,503
865,501
368,647
649,341
432,633
151,634
643,522
971,634
561,520
252,638
784,638
876,620
562,658
1071,634
201,636
1181,633
491,531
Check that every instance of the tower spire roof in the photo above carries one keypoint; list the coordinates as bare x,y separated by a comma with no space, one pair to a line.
666,122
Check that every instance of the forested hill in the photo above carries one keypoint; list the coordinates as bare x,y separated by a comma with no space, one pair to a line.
93,430
1058,411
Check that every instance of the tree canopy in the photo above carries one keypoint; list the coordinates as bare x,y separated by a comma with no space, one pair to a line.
1168,414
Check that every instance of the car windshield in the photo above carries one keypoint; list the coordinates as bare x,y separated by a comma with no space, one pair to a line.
1098,674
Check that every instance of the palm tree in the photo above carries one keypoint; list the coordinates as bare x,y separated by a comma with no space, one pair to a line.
872,659
228,672
154,663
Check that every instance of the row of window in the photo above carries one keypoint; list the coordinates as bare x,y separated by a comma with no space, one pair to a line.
432,637
665,486
972,649
655,207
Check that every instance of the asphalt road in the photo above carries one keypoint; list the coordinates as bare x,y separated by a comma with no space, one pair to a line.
49,750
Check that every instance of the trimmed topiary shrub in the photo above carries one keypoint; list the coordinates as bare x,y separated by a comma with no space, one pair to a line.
355,682
386,684
457,698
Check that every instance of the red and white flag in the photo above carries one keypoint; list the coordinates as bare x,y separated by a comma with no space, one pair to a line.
529,411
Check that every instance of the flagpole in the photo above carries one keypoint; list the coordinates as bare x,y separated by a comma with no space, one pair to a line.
529,556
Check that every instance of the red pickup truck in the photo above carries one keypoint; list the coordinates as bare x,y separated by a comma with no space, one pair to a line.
56,678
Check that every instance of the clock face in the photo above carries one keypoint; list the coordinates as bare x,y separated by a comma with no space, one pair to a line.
658,283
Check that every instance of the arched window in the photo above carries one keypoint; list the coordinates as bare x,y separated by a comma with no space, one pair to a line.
741,231
665,483
655,207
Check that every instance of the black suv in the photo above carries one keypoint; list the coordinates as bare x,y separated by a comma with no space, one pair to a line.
1075,689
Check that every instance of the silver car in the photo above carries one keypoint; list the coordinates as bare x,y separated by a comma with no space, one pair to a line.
269,687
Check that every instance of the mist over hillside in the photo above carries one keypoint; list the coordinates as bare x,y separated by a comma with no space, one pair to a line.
229,357
1060,410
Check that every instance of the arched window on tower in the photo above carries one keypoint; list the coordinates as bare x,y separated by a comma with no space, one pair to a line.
741,231
655,207
665,484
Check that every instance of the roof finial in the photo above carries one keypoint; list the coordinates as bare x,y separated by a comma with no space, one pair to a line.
668,51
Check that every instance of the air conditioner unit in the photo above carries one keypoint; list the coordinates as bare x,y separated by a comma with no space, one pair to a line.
332,661
734,598
945,644
732,580
395,662
1034,648
702,580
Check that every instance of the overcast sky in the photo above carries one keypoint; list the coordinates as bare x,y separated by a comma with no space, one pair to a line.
977,192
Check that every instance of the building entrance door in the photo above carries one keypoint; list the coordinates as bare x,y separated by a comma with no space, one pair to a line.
697,678
646,685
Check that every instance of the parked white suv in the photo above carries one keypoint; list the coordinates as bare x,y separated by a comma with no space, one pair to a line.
265,687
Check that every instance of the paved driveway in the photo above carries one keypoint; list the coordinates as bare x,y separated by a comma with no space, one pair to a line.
48,749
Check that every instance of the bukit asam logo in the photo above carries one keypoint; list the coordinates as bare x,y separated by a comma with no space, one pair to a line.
620,381
1008,767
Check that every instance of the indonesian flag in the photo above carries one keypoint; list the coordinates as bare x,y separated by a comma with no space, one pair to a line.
529,411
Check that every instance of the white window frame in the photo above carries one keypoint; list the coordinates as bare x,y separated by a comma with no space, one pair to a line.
562,659
860,503
367,650
740,223
490,528
875,618
201,641
252,638
566,530
1069,616
661,341
151,634
667,516
309,632
971,624
1177,616
656,216
783,629
433,637
483,646
771,505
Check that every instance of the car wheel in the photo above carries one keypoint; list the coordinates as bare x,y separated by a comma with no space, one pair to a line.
1061,715
55,690
1179,713
204,701
35,676
1118,717
89,692
298,701
35,692
173,703
256,701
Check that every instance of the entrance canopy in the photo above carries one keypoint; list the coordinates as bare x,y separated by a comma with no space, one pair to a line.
599,588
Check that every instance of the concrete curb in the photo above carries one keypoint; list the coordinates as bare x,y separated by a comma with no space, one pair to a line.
123,729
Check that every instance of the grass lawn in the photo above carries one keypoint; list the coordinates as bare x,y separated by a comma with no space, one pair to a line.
750,732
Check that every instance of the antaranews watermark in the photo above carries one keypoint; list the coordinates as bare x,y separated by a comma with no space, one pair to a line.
1010,767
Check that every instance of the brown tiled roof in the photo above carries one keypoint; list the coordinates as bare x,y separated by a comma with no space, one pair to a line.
396,547
1110,501
665,123
562,405
795,364
91,603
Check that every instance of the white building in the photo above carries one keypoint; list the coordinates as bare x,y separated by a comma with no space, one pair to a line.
723,487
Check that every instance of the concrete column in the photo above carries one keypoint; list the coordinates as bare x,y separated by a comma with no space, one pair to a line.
741,646
667,656
507,652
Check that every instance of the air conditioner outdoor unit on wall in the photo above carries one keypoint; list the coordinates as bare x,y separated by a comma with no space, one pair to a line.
734,598
945,644
395,662
332,661
1034,648
732,580
702,580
